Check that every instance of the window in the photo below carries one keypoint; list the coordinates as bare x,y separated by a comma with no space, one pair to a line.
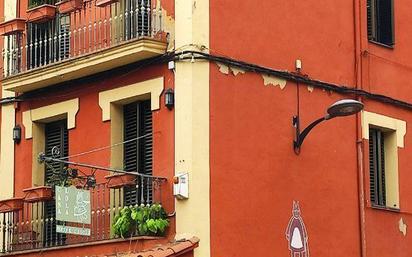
380,21
386,135
56,143
383,168
138,154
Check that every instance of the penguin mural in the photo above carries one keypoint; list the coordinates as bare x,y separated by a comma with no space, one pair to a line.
296,234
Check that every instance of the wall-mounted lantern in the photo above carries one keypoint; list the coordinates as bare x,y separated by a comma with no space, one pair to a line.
169,98
17,134
341,108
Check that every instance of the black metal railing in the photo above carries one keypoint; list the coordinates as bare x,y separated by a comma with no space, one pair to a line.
33,227
85,30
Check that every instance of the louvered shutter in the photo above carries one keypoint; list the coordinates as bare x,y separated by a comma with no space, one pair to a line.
56,137
371,17
146,149
138,153
377,167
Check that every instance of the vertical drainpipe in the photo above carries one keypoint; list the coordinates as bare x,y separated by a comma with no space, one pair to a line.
357,7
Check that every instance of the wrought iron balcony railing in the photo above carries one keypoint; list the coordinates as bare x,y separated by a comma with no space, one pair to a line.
30,223
91,27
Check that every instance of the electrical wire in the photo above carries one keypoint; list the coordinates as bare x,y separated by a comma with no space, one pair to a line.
290,76
105,147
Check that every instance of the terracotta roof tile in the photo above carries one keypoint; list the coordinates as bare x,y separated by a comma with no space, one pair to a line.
168,250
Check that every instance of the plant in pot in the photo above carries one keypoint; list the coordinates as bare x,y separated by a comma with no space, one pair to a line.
144,220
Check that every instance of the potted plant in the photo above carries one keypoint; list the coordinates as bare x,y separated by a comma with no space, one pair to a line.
40,11
120,180
67,6
12,204
37,194
12,26
144,220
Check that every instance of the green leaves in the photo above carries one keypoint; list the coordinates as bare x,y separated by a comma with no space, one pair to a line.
123,223
145,219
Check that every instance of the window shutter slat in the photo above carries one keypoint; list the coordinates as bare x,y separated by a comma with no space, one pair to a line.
138,154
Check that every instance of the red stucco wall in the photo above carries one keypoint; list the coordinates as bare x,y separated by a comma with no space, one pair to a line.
255,174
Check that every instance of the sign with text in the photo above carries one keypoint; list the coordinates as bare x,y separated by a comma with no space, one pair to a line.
73,205
73,230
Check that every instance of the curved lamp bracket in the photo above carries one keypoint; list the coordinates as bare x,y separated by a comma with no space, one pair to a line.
299,137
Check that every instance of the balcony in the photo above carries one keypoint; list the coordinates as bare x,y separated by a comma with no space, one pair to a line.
80,38
29,223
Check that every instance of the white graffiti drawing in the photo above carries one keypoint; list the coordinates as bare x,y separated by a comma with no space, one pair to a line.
296,234
81,207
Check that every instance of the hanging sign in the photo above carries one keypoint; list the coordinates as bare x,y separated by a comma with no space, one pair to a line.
73,205
73,230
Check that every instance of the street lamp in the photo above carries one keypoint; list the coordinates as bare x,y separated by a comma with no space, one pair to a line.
341,108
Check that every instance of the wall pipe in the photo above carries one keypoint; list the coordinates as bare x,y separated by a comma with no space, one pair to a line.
357,7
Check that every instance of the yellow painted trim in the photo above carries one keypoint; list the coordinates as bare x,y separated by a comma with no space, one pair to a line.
67,109
10,9
382,121
192,147
394,131
39,145
149,89
86,65
111,102
7,149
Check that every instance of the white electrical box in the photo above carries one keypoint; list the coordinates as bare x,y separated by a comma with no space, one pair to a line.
181,186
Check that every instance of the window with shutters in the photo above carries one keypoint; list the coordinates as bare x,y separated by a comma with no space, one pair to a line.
57,145
138,150
385,136
380,21
383,168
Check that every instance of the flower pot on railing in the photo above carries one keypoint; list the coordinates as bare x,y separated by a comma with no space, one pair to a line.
10,205
41,13
12,26
103,3
120,180
67,6
38,194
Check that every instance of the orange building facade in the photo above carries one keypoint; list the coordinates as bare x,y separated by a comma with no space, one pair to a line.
134,100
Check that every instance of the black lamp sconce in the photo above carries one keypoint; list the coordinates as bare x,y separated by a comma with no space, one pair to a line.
17,134
169,98
341,108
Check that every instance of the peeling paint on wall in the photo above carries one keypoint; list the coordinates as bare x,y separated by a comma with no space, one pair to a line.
236,71
269,80
226,69
168,25
402,227
223,68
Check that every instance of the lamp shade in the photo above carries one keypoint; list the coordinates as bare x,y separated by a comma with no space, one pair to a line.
344,107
